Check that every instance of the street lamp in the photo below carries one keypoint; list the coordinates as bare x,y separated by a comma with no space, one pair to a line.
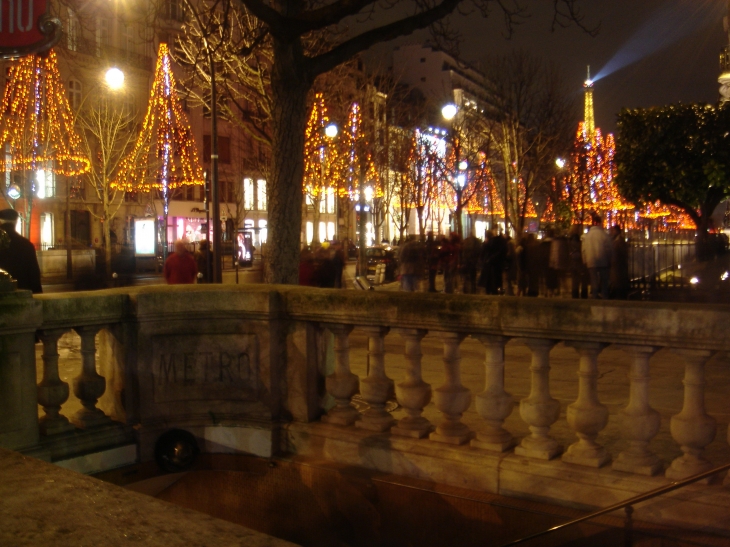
114,78
449,111
560,162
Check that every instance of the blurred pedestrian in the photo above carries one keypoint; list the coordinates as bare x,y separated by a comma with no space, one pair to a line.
449,261
180,267
202,259
307,270
597,248
18,256
432,260
494,254
579,279
619,281
469,262
411,264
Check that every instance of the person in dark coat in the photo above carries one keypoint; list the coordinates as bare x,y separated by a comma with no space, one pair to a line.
19,258
579,278
618,277
494,255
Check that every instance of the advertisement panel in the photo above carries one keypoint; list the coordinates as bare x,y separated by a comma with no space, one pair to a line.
144,237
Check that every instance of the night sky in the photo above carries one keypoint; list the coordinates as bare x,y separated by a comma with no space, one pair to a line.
656,51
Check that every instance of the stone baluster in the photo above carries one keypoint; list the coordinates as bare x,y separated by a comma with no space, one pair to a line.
413,393
494,404
377,387
342,384
587,416
539,410
452,398
89,386
692,428
639,422
52,392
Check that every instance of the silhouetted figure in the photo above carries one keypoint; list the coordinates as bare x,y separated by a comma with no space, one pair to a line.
579,279
619,281
470,250
494,254
202,258
411,264
19,258
449,260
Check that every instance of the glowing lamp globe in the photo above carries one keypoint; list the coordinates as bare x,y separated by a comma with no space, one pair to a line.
330,131
449,111
114,78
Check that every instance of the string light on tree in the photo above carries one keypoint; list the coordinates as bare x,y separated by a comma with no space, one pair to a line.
164,156
37,128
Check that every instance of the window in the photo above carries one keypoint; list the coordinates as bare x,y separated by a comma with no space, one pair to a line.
45,184
261,195
102,35
47,239
173,9
224,150
263,232
72,30
330,201
74,94
248,194
125,37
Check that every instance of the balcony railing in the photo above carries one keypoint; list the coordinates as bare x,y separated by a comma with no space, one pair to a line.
315,372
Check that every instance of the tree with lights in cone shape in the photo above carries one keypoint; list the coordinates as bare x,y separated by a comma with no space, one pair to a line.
320,160
37,131
164,156
359,173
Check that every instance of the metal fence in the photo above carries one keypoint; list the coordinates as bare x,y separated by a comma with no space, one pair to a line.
658,263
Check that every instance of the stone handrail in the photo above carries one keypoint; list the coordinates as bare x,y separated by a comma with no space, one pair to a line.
233,363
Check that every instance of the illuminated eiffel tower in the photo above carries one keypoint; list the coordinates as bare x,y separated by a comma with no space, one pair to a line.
589,121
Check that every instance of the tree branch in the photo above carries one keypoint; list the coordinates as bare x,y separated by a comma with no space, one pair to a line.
327,61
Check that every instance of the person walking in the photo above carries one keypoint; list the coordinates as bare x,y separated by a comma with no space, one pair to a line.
597,248
411,264
470,250
202,258
180,267
18,257
619,281
579,279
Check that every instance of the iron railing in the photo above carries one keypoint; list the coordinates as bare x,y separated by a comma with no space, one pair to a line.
658,263
627,505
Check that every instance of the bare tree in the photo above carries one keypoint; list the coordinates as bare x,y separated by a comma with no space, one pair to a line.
529,125
108,132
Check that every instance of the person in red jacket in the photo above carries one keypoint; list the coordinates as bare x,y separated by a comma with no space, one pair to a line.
180,267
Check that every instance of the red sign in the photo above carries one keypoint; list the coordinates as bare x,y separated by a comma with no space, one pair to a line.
26,28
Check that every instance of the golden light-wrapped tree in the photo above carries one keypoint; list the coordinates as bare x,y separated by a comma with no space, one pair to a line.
165,156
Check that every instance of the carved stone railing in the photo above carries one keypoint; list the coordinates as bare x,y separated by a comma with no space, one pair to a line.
267,369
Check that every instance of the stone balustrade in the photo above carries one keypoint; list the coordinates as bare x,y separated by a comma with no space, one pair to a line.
267,369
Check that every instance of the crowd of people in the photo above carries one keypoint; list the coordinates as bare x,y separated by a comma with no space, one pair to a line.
322,267
595,263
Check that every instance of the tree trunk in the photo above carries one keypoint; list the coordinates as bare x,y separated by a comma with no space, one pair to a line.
289,84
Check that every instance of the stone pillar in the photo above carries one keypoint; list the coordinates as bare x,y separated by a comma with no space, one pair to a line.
52,392
539,410
413,393
452,398
587,416
342,384
20,316
376,388
639,422
89,386
692,428
494,404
